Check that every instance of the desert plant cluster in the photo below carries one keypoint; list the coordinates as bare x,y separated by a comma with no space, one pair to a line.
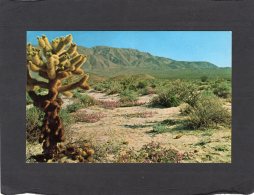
135,118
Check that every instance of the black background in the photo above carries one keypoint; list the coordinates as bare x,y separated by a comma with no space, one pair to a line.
17,17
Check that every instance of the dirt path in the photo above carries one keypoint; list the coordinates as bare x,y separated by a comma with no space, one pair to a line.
131,126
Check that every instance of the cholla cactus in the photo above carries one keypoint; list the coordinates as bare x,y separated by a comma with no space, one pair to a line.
55,62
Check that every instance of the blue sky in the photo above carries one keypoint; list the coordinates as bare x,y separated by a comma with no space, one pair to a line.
211,46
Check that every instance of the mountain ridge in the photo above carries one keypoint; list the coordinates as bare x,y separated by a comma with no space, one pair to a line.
104,57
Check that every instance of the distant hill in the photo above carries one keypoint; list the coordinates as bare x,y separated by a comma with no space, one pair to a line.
108,58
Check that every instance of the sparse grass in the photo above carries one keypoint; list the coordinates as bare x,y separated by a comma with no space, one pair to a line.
130,104
135,126
87,101
203,142
160,128
73,107
147,91
170,122
221,148
66,117
141,115
150,153
109,104
102,151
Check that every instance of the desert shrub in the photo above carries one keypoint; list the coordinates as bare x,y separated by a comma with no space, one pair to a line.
175,93
150,153
66,117
114,88
204,78
187,92
147,91
185,109
142,84
34,118
86,100
208,112
99,87
74,107
205,87
165,99
76,94
108,148
222,90
128,96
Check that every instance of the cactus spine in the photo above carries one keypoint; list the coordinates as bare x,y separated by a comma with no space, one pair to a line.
55,62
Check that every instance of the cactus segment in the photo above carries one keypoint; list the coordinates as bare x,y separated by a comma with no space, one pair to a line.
48,46
67,94
68,39
41,42
72,49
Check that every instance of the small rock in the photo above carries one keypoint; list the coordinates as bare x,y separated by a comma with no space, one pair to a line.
178,136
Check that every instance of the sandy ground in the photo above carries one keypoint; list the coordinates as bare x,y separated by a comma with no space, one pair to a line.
133,125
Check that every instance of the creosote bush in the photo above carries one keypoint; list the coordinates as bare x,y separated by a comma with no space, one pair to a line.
176,92
128,96
222,90
166,99
208,112
86,100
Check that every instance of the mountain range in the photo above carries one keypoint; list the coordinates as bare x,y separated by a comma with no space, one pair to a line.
104,58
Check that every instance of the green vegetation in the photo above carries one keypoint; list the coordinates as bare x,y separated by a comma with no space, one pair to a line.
111,62
84,100
202,94
204,78
128,96
34,118
151,153
74,107
208,112
222,89
176,92
66,117
28,99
